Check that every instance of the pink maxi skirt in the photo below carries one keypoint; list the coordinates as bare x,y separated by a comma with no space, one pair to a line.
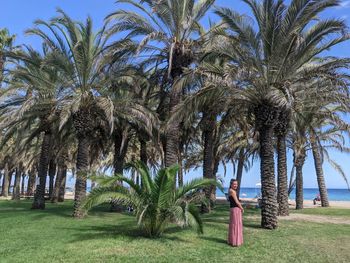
235,229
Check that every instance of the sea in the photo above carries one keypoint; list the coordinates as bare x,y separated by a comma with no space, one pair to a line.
251,192
309,193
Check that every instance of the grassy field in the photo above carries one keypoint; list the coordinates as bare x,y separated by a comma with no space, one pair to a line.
53,236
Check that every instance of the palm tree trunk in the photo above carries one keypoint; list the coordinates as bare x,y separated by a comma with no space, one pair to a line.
61,174
209,122
240,170
16,189
31,182
282,179
173,131
299,163
319,172
5,181
180,175
82,167
22,186
143,151
269,206
39,197
299,199
62,188
10,191
52,173
120,150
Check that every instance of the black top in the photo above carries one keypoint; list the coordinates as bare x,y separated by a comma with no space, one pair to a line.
232,201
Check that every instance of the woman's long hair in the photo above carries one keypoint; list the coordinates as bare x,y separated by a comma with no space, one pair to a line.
231,181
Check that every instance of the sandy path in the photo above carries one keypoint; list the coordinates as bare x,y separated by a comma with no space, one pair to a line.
317,219
311,218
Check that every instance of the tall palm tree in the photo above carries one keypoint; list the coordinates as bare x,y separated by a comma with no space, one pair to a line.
299,144
77,53
280,52
320,118
131,113
172,24
34,112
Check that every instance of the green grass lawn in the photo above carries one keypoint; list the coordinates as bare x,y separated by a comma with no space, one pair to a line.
53,236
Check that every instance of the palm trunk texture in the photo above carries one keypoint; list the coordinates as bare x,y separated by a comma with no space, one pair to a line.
39,197
319,173
17,185
209,122
299,197
5,182
52,173
282,178
80,183
240,171
266,115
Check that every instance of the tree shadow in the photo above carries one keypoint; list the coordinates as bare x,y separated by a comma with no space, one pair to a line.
123,229
12,209
252,225
215,239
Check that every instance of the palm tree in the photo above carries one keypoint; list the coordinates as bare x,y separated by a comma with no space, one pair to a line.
319,118
299,144
281,52
172,24
130,91
34,113
77,53
157,202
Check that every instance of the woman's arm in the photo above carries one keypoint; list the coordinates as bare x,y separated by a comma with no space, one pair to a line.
234,196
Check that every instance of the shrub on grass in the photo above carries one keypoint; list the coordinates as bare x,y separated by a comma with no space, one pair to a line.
156,201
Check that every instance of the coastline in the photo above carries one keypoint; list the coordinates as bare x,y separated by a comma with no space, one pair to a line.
307,203
247,202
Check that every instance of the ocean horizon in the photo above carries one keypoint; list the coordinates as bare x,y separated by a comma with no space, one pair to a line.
334,194
309,193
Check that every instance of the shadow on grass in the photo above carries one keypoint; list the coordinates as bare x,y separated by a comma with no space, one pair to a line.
252,225
125,229
10,209
64,209
125,224
215,239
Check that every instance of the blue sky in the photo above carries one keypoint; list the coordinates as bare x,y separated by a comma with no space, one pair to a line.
18,15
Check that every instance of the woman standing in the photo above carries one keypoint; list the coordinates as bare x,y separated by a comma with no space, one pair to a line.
235,230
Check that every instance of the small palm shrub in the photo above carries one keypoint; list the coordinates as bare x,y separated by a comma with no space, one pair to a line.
156,202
